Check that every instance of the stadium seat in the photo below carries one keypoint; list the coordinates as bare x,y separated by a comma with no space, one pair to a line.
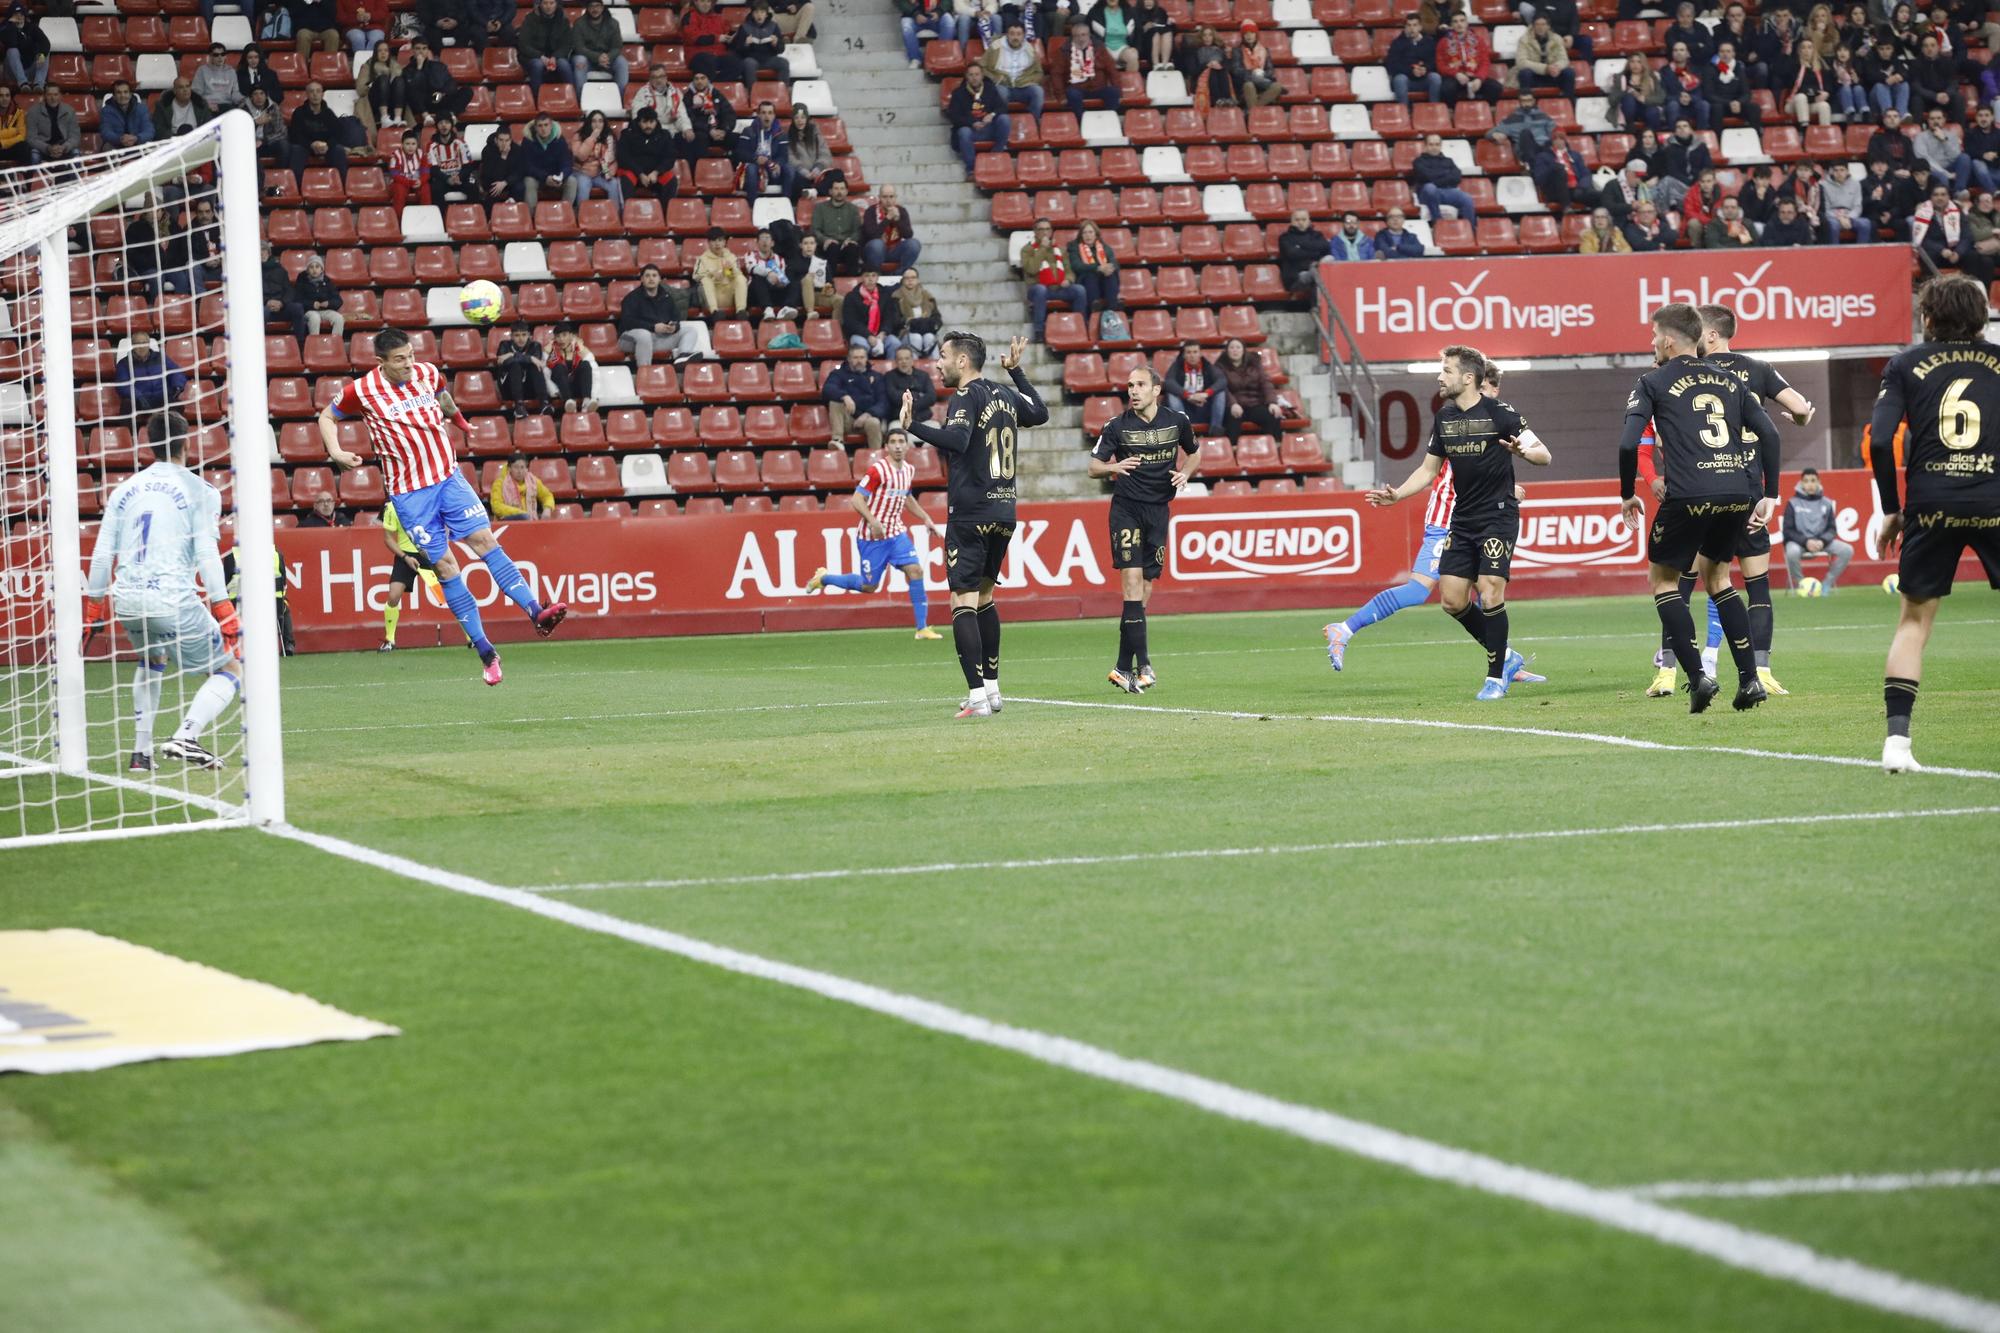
689,473
598,477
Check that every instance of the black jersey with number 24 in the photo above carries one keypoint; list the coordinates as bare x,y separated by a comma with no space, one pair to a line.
1482,468
1951,394
1157,444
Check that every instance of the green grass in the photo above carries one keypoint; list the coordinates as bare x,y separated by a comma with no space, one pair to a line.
575,1132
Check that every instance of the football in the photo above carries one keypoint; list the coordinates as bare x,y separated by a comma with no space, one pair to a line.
1810,588
480,301
1892,584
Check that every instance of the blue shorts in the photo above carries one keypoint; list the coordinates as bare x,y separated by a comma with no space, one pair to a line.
1427,554
439,512
877,558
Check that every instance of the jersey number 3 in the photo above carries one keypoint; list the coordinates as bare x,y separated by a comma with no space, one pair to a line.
1717,434
1958,417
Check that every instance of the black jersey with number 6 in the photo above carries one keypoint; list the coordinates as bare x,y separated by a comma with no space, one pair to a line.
1157,444
1709,427
979,439
1482,468
1951,394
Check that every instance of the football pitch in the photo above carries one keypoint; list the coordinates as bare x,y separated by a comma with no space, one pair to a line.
741,988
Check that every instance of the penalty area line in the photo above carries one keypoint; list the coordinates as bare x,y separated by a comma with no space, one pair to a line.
1738,1247
1786,1188
1282,849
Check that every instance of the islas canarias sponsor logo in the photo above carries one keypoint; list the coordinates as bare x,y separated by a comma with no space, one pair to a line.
1264,545
1585,530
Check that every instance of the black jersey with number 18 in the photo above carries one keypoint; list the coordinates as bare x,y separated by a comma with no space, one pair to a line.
1950,392
1698,413
979,440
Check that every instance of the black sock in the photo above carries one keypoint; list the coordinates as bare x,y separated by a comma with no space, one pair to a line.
1139,644
1496,640
1757,591
1735,619
1899,693
965,634
1472,621
989,639
1131,620
1677,629
1686,595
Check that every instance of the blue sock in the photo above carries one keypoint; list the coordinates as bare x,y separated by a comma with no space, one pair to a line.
920,602
508,577
459,599
1714,625
1388,602
851,582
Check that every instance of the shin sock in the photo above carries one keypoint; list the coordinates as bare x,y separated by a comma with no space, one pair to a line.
147,682
1387,603
965,636
1496,640
851,582
920,603
1677,630
390,615
507,577
1899,695
1757,591
1472,621
209,701
1735,618
1686,594
989,641
1131,622
459,598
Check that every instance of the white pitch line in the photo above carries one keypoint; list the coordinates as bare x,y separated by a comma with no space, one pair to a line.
1287,849
1738,1247
1591,737
1780,1189
596,717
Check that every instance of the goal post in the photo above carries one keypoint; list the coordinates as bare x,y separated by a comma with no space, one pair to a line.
160,245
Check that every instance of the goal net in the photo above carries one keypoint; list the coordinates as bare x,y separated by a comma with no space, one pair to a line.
132,327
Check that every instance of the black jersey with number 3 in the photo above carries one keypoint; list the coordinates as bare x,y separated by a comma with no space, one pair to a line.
980,440
1157,444
1707,424
1951,394
1482,468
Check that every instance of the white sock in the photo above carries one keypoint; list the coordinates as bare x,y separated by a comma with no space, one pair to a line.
992,689
209,701
1708,659
147,682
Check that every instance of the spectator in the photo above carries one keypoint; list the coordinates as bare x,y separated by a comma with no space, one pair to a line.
410,172
450,159
215,81
1195,387
886,234
378,92
600,49
1982,142
905,377
1682,156
1541,61
321,299
1301,246
444,22
773,289
1934,78
978,114
1046,267
313,24
1646,232
869,320
1641,97
1789,227
925,20
817,296
274,24
1601,238
760,44
725,288
1811,95
492,23
594,163
203,254
1699,207
1982,223
795,20
856,399
27,49
1850,93
364,23
1808,528
1015,68
147,379
765,154
1154,34
1688,31
269,119
1841,205
1735,29
1252,69
653,319
1758,197
1728,93
1111,23
991,22
545,160
520,372
711,118
1435,178
1888,200
1205,64
1253,399
1622,193
1412,63
1095,267
1682,80
179,110
13,130
499,172
1938,229
1941,145
1465,58
1081,69
546,46
325,513
1395,241
836,222
572,373
646,156
813,171
1887,74
124,121
316,133
1891,145
520,494
704,34
280,302
1563,179
428,88
922,324
252,73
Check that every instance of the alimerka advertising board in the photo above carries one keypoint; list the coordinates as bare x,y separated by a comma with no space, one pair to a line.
1600,305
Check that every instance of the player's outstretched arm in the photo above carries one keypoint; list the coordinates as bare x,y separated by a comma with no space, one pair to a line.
329,439
449,406
1384,496
1034,412
1797,406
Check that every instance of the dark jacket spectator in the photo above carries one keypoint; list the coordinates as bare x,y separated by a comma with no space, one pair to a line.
1412,63
1934,82
1646,231
868,390
1299,252
854,314
641,311
917,382
319,124
1392,242
1788,226
428,88
542,159
961,110
1194,386
1893,146
645,151
499,168
252,73
316,293
147,379
760,44
1688,30
1682,159
53,131
1759,199
170,109
1563,178
120,121
1252,397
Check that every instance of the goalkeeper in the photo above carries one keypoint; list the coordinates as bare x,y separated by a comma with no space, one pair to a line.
156,560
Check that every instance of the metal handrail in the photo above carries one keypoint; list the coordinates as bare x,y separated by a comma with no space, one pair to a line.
1341,354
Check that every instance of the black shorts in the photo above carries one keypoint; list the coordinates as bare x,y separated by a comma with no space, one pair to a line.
1139,536
1476,553
974,552
1683,529
1933,541
405,571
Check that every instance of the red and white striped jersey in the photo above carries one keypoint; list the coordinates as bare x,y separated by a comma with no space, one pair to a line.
406,422
1444,499
888,486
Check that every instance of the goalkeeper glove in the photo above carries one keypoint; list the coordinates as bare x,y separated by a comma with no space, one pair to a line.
227,621
96,615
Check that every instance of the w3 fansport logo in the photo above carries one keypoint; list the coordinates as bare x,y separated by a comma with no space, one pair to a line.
1262,545
1587,530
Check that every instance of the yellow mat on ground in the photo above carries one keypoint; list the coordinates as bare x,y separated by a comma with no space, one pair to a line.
75,1000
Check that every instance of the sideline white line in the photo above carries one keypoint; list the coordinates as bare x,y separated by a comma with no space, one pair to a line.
1438,724
1779,1189
1752,1251
1285,849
